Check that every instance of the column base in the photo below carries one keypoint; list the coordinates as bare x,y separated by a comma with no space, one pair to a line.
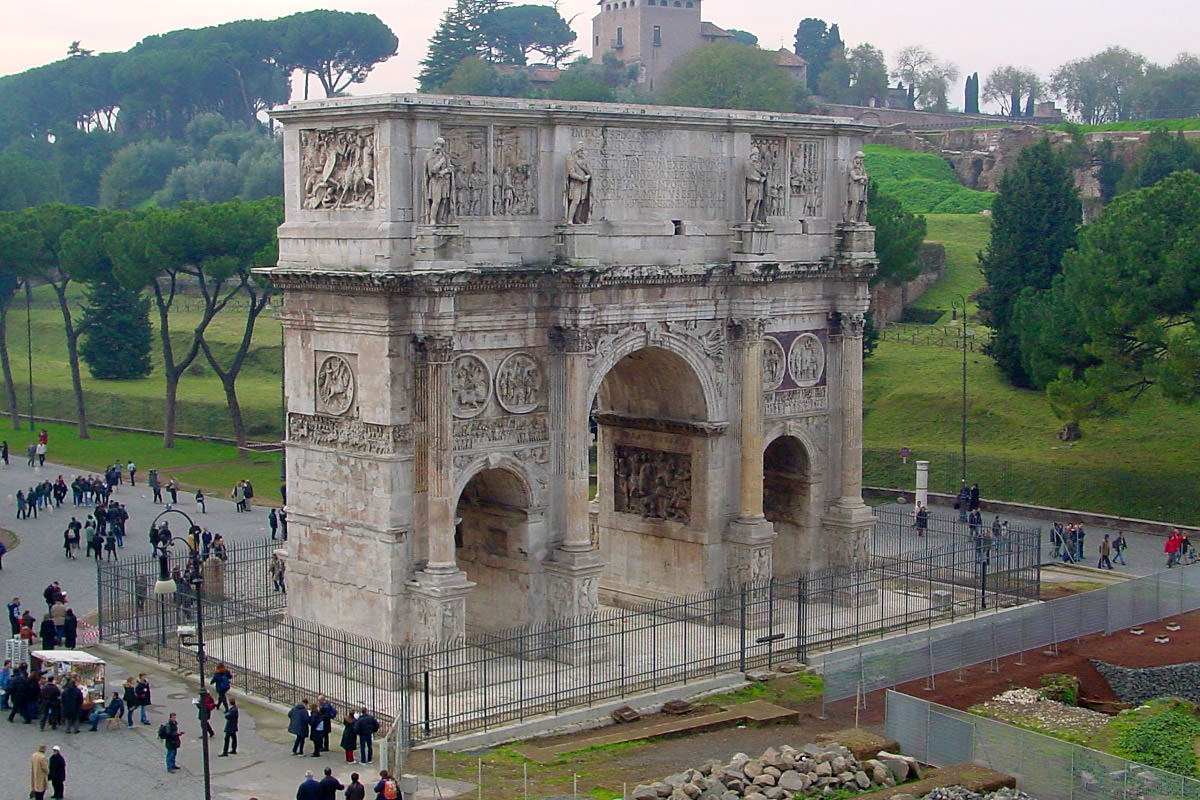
848,526
856,240
572,593
439,606
576,245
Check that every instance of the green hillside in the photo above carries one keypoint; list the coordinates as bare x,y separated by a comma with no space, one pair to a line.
923,183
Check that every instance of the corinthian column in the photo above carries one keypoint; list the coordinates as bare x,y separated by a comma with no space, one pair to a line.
439,589
852,424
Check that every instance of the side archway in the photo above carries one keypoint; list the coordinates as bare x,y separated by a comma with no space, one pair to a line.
788,503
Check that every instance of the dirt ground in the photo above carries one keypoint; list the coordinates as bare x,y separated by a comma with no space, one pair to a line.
608,768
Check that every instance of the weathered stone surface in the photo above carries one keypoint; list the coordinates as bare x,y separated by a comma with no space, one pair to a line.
753,768
765,779
823,769
792,781
862,780
644,791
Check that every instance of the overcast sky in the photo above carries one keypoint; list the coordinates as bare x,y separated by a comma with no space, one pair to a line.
976,36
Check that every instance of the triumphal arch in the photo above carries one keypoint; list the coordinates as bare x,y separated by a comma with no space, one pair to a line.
545,355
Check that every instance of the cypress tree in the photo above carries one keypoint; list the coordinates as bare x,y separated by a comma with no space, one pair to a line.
1035,218
116,332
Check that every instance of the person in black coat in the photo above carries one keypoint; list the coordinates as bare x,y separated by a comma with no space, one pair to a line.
365,727
330,785
70,629
316,728
58,772
231,727
298,726
72,703
310,789
51,704
16,695
49,633
349,742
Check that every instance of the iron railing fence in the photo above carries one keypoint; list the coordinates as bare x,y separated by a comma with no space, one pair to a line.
923,654
1044,767
493,677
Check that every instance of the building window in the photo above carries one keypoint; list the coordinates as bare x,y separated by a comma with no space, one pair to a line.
688,3
678,4
597,44
657,35
620,37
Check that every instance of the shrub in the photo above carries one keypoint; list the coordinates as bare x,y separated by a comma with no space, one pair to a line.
1061,688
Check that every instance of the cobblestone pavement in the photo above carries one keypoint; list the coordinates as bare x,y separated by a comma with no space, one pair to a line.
38,559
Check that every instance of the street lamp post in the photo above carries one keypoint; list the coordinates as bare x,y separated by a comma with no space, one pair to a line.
165,586
962,302
29,346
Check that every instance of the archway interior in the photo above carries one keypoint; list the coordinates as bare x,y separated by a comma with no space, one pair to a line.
787,495
492,543
651,456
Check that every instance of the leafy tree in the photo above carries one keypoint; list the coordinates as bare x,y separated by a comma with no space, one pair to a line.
137,171
474,76
214,247
458,36
743,37
1162,155
1133,292
898,237
208,181
817,43
511,33
868,73
1169,92
48,261
13,244
729,75
1007,86
1034,221
337,48
25,181
604,81
116,332
1100,87
928,77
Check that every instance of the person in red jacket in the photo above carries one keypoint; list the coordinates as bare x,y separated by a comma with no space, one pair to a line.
1171,548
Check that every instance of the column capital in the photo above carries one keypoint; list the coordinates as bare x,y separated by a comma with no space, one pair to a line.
433,348
747,329
571,339
847,323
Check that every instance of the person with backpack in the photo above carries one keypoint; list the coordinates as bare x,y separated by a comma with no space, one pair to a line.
364,728
207,706
171,737
1119,544
220,680
386,788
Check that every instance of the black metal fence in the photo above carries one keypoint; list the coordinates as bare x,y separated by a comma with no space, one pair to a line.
495,677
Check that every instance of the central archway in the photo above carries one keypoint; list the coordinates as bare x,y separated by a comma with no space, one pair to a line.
787,502
653,451
496,534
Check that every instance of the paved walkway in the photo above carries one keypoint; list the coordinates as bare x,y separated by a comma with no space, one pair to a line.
38,558
1145,552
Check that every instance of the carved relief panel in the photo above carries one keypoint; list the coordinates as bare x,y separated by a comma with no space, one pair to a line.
794,374
772,150
335,383
470,386
806,360
652,483
514,151
774,364
467,147
520,385
807,178
337,168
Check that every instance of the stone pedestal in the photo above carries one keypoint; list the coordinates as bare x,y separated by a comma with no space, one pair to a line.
213,571
753,246
438,247
856,240
576,245
749,560
439,604
572,583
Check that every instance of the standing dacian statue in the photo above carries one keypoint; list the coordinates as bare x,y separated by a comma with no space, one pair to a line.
856,190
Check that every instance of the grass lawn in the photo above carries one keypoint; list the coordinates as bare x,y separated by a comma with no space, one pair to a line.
963,235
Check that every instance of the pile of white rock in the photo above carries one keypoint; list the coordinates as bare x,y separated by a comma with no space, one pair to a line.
783,774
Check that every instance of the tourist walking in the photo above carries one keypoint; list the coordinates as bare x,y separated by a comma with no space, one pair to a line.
387,786
72,705
298,726
973,498
171,737
39,773
57,772
239,497
273,522
921,521
132,467
328,714
355,790
220,680
330,785
1105,551
70,629
1118,547
1079,536
365,727
155,486
963,501
231,728
200,501
143,696
6,673
130,698
316,728
1171,548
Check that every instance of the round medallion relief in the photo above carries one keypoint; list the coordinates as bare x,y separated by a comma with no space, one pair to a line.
774,364
519,383
335,385
470,386
806,360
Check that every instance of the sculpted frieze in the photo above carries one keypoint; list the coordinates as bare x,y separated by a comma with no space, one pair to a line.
335,384
809,400
807,178
707,336
772,164
654,484
470,386
520,384
352,435
467,146
337,167
806,360
514,171
774,364
474,434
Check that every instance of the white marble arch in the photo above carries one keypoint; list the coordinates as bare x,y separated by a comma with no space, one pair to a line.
685,347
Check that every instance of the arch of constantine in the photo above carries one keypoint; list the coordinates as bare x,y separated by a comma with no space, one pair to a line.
488,301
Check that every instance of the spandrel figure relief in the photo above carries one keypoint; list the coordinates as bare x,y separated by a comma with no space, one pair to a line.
652,483
470,386
335,385
338,168
806,360
774,364
519,384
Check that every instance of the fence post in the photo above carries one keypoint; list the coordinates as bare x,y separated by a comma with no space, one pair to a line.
742,629
801,619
